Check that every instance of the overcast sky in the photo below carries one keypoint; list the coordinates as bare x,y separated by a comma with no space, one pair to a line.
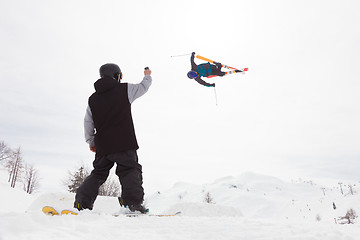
295,114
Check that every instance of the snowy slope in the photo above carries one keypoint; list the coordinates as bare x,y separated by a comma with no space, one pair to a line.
250,206
264,197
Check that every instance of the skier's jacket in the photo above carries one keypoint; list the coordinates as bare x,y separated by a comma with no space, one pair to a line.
108,121
204,70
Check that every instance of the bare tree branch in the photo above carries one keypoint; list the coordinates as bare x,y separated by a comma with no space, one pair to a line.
110,188
5,151
15,167
31,179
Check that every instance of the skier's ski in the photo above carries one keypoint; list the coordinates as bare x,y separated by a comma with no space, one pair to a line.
225,66
243,70
68,212
51,211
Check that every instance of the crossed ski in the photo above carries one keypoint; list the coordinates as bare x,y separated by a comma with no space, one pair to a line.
224,66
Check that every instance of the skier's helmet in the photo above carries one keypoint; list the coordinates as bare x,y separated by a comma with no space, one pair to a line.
110,70
192,74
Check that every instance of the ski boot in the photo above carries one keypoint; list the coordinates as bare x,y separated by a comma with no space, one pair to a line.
81,206
133,207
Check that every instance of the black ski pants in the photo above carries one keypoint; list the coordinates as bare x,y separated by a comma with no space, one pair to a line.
128,170
216,69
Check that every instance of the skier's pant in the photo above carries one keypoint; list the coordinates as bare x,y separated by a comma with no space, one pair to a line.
216,70
128,170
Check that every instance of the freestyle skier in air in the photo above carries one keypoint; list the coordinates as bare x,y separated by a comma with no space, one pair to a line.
109,131
206,70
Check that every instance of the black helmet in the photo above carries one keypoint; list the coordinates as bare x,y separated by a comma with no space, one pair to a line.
110,70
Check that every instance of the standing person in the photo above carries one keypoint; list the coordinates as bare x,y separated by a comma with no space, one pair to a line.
109,131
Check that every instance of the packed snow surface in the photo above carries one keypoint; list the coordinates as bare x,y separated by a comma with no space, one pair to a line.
250,206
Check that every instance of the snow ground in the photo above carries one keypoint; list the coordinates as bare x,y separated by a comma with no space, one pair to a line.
246,207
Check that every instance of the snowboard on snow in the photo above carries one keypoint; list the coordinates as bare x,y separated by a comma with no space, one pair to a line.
147,214
48,210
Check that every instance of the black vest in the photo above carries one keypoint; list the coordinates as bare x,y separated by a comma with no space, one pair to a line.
111,112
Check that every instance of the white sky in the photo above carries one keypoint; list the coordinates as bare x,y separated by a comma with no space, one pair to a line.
295,113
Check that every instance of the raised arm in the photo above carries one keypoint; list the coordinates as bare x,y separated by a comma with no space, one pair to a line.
137,90
193,64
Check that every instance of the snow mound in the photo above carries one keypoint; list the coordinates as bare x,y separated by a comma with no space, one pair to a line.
59,201
204,210
249,206
13,200
65,200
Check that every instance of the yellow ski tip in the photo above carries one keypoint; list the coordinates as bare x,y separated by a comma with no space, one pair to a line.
68,212
49,211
